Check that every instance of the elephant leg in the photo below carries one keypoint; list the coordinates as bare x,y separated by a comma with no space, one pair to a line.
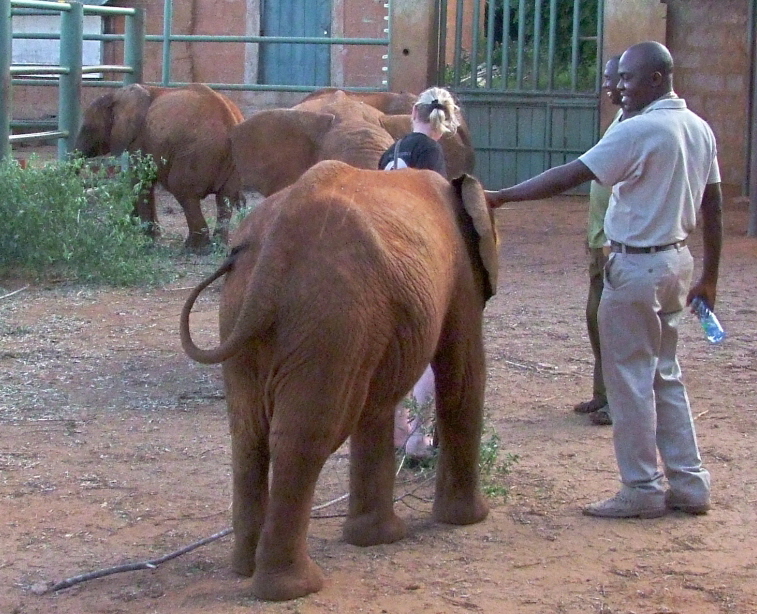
299,448
371,519
198,236
460,379
223,218
250,459
147,212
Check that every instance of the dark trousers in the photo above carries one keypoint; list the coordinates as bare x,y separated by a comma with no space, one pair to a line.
597,260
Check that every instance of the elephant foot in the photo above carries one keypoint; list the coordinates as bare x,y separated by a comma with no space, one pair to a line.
243,563
221,237
295,581
367,530
152,230
459,511
198,243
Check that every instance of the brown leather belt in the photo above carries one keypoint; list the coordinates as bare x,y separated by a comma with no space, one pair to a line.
620,248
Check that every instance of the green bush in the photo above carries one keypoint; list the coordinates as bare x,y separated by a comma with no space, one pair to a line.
63,220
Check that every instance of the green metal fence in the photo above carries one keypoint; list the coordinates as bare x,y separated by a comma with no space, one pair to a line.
528,75
168,37
69,70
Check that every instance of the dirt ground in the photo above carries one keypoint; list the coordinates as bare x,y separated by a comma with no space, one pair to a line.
114,449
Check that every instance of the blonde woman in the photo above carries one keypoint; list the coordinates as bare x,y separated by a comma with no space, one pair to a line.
434,114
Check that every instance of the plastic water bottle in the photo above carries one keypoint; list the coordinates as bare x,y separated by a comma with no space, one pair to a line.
710,324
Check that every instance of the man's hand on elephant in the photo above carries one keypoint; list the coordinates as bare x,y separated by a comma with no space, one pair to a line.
495,198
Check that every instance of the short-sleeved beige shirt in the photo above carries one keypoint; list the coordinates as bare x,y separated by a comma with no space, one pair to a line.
658,163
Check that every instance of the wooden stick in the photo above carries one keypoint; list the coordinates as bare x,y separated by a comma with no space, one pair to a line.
152,564
12,293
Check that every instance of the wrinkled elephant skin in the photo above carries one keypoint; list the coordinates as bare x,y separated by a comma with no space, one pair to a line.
186,130
339,291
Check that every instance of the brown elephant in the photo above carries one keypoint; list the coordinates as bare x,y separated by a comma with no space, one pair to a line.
389,103
186,130
273,148
338,292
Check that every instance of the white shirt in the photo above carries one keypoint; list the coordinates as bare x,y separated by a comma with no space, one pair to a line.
658,163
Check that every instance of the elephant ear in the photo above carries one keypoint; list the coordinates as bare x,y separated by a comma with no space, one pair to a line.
130,105
396,125
474,202
273,148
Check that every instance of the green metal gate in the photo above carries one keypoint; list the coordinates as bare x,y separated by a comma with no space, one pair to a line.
528,74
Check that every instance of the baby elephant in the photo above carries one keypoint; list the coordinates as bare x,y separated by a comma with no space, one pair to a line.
186,130
338,292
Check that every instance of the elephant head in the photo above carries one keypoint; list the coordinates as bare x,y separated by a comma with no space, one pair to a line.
114,122
339,291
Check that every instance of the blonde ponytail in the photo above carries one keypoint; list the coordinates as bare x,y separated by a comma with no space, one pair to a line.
437,107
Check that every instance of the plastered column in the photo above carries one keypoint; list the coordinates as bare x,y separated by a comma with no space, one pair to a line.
414,45
627,22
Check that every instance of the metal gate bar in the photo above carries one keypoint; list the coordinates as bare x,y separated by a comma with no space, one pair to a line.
69,70
531,101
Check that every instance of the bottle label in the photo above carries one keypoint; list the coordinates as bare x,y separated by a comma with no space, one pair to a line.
709,321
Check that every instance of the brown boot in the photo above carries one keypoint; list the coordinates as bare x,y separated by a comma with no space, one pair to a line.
601,417
588,407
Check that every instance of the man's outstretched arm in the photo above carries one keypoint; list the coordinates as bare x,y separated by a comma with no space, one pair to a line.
549,183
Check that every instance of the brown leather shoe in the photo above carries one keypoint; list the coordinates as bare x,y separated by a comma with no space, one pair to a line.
588,407
601,417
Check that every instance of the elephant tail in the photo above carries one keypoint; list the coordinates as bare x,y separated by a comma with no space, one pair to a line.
223,352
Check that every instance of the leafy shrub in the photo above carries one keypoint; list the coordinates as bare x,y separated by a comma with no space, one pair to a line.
64,220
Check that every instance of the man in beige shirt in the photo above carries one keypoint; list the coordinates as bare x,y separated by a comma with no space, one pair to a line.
663,169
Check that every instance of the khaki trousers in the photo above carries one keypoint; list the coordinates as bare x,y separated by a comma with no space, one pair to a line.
642,303
597,261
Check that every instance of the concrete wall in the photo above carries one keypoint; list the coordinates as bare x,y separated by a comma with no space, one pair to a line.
351,65
709,44
414,49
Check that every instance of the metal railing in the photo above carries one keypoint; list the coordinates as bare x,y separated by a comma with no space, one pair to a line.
70,68
69,72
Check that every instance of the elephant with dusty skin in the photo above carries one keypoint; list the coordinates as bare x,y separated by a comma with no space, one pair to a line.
389,103
338,292
186,130
273,148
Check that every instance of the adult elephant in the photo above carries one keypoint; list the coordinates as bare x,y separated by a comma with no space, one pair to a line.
273,148
338,292
186,130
